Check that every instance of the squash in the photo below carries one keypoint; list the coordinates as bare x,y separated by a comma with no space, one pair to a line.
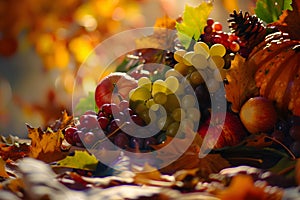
277,64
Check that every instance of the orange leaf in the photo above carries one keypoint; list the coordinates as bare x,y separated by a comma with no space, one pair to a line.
289,21
3,172
241,83
45,146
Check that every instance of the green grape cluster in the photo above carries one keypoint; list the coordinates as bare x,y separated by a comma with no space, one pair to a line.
166,104
203,64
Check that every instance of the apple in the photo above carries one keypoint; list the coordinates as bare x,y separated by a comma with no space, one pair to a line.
232,131
114,88
258,114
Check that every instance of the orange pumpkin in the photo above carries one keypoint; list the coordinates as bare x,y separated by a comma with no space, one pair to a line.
277,63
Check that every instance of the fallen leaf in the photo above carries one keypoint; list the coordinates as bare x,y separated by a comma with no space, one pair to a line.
149,175
80,160
3,172
240,84
45,145
14,152
193,23
64,121
249,190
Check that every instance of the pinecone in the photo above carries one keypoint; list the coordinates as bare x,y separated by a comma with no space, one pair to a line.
249,28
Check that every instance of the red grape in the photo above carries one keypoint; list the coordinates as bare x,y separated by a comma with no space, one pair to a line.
69,135
137,143
138,120
121,140
89,138
295,132
123,105
217,26
210,22
103,122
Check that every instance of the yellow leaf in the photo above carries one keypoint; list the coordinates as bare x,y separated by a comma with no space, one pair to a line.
241,83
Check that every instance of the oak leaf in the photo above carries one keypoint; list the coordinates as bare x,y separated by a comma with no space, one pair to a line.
240,84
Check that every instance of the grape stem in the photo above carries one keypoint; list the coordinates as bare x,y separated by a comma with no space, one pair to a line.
109,135
283,146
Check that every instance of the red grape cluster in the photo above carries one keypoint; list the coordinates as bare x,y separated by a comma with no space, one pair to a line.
288,132
213,34
113,122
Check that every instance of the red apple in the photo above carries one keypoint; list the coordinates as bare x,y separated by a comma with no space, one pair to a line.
258,114
232,131
114,88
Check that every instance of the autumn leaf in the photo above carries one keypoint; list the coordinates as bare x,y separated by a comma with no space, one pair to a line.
64,121
193,23
45,145
3,172
270,10
189,158
289,21
241,83
80,160
248,190
162,37
148,175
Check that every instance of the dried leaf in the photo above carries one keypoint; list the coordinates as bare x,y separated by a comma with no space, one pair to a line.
3,172
45,145
81,160
14,152
149,175
193,23
258,140
189,158
64,121
248,190
165,22
241,83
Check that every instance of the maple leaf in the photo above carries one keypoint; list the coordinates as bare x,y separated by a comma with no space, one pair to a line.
240,84
189,158
64,121
289,21
45,145
193,23
80,160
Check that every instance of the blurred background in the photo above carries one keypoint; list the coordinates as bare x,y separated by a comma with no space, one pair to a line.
44,42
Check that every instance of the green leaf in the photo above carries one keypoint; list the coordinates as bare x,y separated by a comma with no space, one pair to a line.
81,160
193,23
270,10
86,103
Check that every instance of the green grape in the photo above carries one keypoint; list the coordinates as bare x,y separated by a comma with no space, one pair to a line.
196,78
140,107
160,98
173,129
172,102
180,90
159,86
188,101
149,103
178,114
145,82
140,94
212,85
217,50
199,61
164,122
181,68
145,116
193,114
178,55
201,48
172,84
187,58
219,61
172,72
